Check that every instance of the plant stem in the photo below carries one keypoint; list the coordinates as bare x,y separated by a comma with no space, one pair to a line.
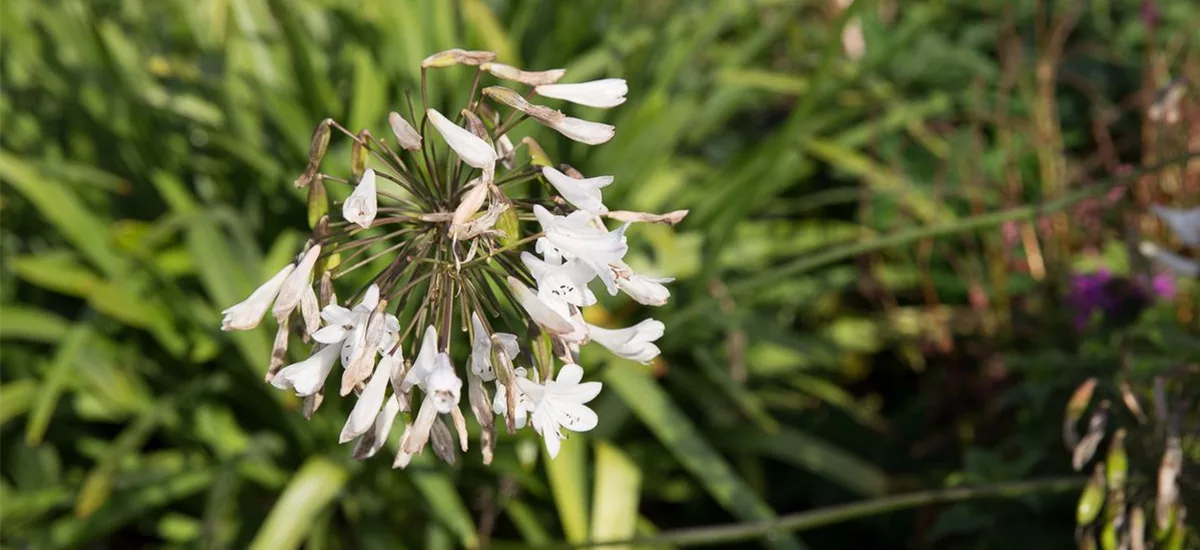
839,513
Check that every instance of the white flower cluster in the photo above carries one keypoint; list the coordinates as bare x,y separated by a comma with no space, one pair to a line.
453,235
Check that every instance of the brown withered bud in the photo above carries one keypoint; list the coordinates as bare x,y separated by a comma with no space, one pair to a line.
327,295
531,78
670,218
1091,440
458,56
460,427
312,403
443,442
475,126
278,351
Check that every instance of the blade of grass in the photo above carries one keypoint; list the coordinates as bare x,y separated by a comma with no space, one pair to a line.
656,410
312,489
616,494
55,378
568,478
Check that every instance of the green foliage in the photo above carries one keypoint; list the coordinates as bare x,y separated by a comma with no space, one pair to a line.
869,283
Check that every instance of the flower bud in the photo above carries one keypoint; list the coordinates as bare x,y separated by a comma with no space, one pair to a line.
531,78
318,202
406,135
457,56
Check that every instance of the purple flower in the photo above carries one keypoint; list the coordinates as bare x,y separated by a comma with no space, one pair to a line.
1117,298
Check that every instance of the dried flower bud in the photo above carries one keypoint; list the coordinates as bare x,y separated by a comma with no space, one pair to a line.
475,125
670,218
1075,408
1091,441
278,352
457,56
312,402
443,442
530,78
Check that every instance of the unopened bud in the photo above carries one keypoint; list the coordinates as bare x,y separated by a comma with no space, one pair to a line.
531,78
458,56
406,135
320,141
538,156
318,202
358,156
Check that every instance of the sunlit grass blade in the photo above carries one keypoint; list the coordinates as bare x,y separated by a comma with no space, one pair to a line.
568,475
308,493
615,495
655,408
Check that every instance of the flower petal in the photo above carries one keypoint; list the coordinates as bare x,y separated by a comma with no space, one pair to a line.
470,148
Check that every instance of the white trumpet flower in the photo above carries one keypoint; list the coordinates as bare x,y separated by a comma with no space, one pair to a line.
605,93
583,194
307,376
560,403
644,290
583,131
635,343
361,206
573,237
473,151
362,417
295,284
248,313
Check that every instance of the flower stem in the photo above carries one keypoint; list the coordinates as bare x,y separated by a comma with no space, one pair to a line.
830,515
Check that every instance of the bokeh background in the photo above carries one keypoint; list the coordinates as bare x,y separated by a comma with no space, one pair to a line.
894,206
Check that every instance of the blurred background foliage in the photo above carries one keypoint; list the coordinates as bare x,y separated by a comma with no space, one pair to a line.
887,204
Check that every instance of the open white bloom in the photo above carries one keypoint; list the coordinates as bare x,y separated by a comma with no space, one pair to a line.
635,343
583,131
361,206
470,148
406,135
443,385
605,93
362,417
248,313
583,194
307,376
644,290
573,237
425,361
524,404
565,280
348,327
538,310
560,403
296,283
1185,222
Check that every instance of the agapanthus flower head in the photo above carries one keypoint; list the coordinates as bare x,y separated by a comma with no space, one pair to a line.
468,245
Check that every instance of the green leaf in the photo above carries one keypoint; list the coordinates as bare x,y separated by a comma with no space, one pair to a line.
308,493
55,379
568,475
16,398
615,495
63,210
442,498
813,454
27,323
676,431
